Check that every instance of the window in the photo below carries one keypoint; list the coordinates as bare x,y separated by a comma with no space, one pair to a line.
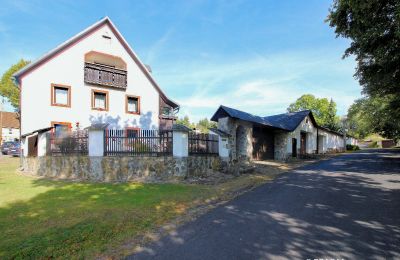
166,111
100,100
61,129
132,104
10,131
60,95
132,132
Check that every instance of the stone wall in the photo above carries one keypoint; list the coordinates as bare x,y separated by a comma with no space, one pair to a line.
241,132
280,147
124,168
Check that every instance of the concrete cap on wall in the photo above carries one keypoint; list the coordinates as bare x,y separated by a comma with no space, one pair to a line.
99,126
180,128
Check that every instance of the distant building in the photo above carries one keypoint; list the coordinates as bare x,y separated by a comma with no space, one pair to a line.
9,126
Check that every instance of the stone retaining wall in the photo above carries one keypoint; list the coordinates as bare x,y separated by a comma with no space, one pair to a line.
121,169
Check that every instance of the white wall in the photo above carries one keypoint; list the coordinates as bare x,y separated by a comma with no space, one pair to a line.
68,69
10,136
305,126
332,142
351,140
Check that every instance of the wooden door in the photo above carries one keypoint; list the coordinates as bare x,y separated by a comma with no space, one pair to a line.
303,143
263,144
294,147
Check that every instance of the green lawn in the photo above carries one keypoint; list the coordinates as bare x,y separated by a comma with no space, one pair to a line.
56,219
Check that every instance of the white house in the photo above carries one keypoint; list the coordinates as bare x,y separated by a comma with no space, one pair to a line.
94,77
9,126
276,137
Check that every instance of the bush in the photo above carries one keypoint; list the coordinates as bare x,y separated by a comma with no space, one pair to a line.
373,144
350,147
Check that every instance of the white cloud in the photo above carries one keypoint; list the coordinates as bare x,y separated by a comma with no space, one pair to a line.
260,84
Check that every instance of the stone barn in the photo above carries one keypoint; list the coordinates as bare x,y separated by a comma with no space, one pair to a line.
278,137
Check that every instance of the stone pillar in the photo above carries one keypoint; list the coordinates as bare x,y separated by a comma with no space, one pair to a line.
43,143
180,137
96,139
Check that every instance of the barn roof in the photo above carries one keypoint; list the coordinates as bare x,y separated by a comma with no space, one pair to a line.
286,121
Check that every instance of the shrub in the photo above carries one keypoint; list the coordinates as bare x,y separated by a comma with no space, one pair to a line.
350,147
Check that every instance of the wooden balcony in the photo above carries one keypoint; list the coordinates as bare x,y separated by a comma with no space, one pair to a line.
105,75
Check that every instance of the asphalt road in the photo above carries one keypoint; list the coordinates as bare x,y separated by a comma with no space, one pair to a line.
347,207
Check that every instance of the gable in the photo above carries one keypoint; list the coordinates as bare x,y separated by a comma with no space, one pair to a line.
76,40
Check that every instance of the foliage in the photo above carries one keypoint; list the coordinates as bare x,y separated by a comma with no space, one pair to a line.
350,147
373,144
373,115
203,125
323,110
8,88
186,122
373,26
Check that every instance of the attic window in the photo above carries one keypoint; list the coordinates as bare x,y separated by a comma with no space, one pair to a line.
306,120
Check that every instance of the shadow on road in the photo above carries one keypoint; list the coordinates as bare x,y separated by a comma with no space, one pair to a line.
346,207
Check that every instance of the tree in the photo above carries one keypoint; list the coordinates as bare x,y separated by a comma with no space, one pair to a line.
186,122
8,88
324,111
373,26
371,115
204,125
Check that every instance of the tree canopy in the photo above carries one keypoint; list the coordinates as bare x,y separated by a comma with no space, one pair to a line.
8,88
203,125
373,26
372,115
323,110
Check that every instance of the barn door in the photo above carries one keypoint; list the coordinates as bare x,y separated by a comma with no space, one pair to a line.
303,143
33,146
294,147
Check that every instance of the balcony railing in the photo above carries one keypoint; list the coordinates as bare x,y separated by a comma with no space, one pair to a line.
104,75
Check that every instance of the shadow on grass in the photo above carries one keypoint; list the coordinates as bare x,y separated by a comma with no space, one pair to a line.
84,219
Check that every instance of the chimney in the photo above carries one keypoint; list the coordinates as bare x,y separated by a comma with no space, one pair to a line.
148,68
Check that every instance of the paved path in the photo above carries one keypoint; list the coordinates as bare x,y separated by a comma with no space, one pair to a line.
346,207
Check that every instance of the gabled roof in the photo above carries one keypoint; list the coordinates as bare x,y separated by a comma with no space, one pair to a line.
9,120
287,121
80,36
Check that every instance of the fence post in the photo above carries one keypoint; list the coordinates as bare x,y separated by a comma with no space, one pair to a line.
96,139
43,143
180,139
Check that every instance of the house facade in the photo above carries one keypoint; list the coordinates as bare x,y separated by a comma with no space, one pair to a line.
9,127
94,77
277,137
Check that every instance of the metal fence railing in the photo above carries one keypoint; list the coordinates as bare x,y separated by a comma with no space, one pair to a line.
203,143
134,142
74,142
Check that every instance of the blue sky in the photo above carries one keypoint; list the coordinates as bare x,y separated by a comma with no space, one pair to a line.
257,56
